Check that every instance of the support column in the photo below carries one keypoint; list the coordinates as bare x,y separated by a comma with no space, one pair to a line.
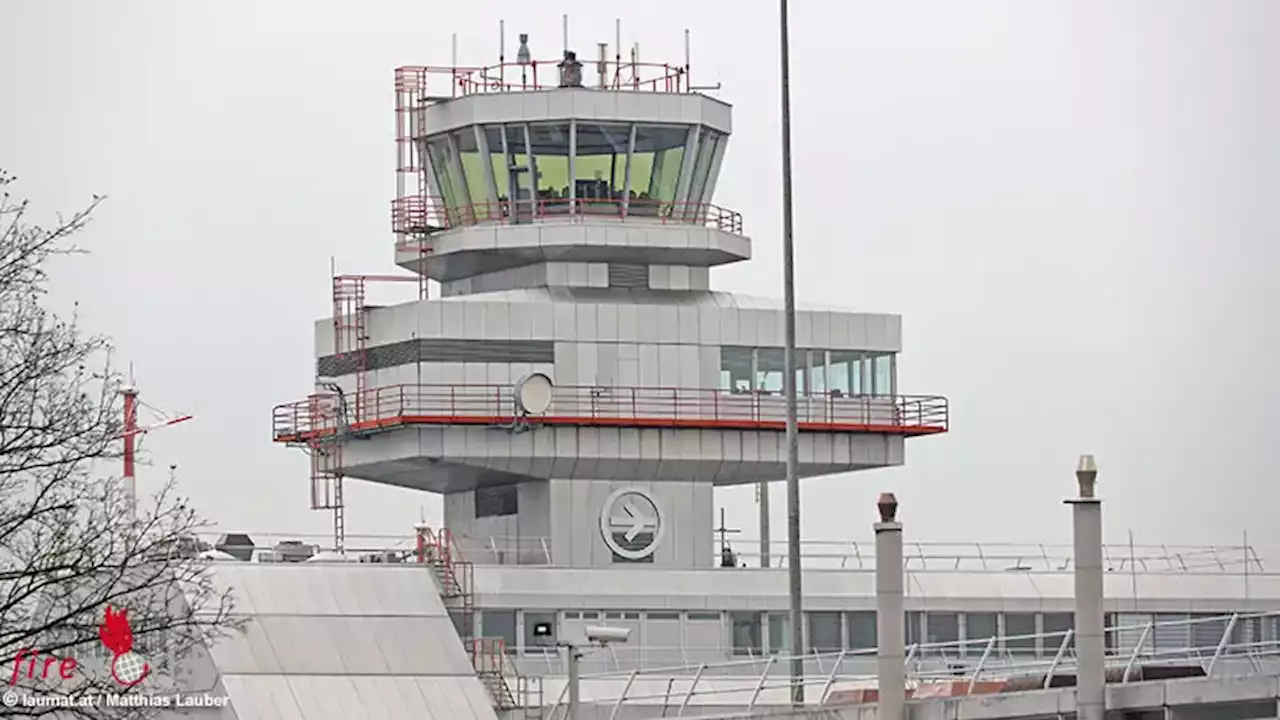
1086,513
890,612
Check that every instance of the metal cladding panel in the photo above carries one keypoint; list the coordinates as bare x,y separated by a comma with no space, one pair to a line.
263,697
247,651
341,641
645,317
561,103
329,589
951,591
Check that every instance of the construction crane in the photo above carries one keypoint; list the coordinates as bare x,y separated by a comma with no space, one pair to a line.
132,436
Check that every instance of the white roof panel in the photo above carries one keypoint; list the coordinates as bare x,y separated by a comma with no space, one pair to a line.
247,650
262,697
330,589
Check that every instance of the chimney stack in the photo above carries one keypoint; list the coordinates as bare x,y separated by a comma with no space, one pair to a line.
890,612
1090,642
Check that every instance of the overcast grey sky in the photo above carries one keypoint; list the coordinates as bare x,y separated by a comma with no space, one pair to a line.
1072,204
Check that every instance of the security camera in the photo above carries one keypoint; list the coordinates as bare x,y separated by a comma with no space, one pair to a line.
606,635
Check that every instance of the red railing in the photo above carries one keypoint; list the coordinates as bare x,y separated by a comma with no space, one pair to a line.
418,215
399,405
540,75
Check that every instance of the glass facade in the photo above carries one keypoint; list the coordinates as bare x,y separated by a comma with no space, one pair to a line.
835,373
656,164
517,170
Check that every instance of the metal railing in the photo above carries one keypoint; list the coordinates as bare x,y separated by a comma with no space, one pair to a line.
419,214
920,557
609,74
668,408
1247,644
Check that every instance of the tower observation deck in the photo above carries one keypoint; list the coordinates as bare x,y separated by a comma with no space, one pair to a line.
579,379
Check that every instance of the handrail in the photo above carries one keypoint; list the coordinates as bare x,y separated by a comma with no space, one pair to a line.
951,665
922,558
442,404
624,76
423,214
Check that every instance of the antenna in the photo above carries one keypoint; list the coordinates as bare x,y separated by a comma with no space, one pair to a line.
687,82
502,53
524,58
455,51
602,65
635,65
564,33
1246,564
1133,571
617,52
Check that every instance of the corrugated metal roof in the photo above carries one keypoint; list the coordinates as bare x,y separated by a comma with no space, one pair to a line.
332,642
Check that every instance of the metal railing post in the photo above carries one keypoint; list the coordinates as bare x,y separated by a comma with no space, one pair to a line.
688,694
1133,657
559,702
617,707
977,670
1222,643
1057,660
831,677
764,677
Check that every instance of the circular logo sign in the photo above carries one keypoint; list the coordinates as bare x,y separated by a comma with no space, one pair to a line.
631,524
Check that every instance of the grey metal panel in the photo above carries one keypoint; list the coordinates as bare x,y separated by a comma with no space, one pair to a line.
248,651
446,699
262,697
325,698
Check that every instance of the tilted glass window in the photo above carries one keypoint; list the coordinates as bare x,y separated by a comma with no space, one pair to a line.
447,176
655,168
708,142
497,163
474,173
551,161
600,167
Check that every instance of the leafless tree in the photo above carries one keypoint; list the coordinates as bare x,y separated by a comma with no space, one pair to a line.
70,543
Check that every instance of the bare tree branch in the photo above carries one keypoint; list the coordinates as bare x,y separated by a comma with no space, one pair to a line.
70,544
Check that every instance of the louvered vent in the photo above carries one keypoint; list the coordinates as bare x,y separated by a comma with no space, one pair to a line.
440,350
623,275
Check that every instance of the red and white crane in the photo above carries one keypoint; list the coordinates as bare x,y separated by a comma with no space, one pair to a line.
133,433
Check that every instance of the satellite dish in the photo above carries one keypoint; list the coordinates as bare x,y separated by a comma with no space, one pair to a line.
533,394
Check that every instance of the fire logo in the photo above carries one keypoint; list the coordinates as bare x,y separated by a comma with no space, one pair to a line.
127,667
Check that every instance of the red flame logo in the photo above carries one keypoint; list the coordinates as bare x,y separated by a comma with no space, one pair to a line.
115,632
117,636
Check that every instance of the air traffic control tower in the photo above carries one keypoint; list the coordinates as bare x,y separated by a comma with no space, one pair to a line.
579,389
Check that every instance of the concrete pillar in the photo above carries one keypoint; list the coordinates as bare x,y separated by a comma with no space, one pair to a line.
890,612
1089,629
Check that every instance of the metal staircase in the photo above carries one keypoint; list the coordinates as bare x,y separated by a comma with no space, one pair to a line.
438,550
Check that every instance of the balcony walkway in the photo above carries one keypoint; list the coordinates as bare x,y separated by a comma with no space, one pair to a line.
386,408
